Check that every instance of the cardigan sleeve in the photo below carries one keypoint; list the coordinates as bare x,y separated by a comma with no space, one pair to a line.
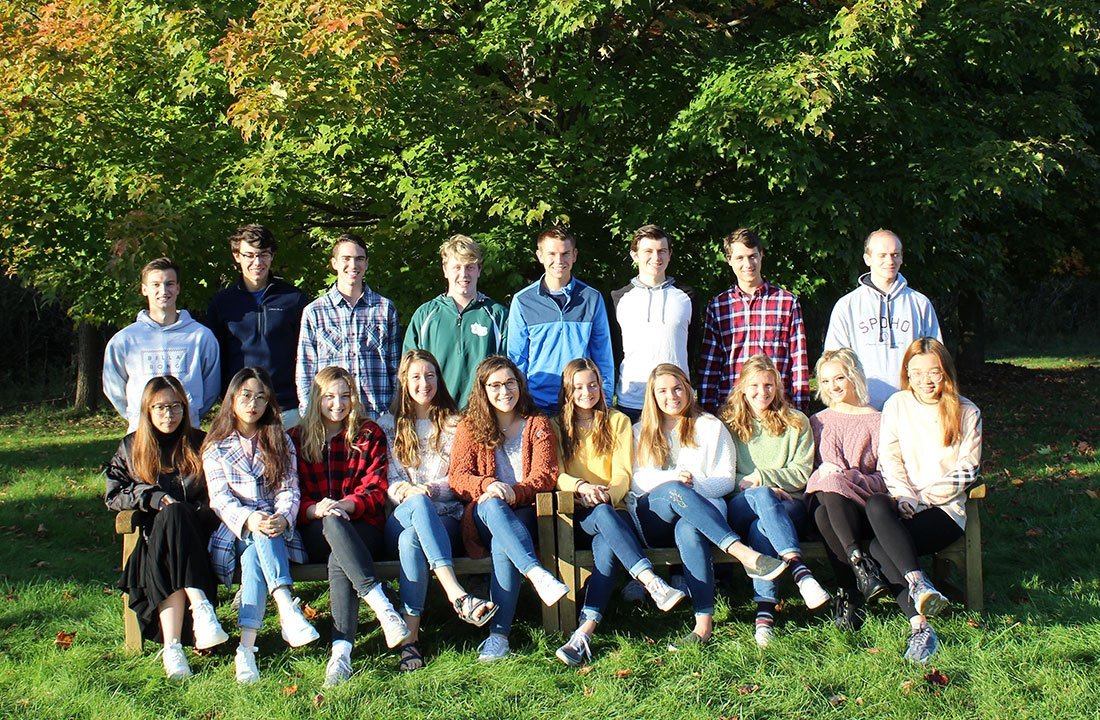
795,473
540,467
968,458
287,494
721,460
467,483
890,461
622,457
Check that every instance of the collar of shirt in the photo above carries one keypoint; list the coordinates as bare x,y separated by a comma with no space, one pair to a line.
567,290
337,298
766,288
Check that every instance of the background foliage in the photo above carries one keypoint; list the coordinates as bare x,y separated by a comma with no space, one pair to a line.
131,129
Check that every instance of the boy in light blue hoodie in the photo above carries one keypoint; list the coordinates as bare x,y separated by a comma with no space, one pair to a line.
163,341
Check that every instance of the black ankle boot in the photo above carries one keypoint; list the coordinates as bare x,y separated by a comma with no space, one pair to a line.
869,577
848,610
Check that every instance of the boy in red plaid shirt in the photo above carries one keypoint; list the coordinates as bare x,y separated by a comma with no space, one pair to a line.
752,317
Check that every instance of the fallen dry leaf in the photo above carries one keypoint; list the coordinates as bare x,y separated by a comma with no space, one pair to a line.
907,686
67,596
588,691
873,650
1033,532
1017,481
837,700
624,672
290,690
584,670
748,689
937,678
318,700
41,564
41,531
974,623
64,640
309,612
859,700
1093,494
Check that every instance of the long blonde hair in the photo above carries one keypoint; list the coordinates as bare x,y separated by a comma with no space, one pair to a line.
853,370
147,455
271,441
602,440
950,407
406,445
737,413
653,446
312,431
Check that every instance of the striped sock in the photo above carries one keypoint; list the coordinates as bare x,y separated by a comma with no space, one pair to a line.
765,614
798,570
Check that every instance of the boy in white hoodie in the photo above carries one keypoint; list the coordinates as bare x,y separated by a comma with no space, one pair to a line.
880,318
163,341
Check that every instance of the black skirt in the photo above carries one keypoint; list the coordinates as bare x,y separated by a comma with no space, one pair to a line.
170,555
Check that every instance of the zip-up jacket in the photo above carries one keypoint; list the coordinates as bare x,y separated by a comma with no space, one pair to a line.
259,334
653,325
878,327
459,339
543,337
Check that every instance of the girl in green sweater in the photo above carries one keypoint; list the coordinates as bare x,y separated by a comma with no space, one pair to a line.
775,454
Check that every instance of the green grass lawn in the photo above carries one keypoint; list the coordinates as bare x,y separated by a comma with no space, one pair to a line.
1034,653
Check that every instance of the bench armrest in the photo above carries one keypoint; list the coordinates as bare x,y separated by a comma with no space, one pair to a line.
126,522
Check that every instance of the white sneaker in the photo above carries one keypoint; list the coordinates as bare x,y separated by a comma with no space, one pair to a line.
393,627
663,594
245,663
337,671
208,631
296,630
494,648
812,592
549,588
764,635
175,661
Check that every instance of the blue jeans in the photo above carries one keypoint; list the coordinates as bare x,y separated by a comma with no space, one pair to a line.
421,540
612,537
675,512
771,526
507,533
264,565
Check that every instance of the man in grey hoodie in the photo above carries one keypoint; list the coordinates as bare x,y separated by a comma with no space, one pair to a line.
163,341
881,317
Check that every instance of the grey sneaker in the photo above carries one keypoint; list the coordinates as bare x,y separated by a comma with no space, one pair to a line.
663,594
337,671
928,600
923,644
493,648
765,567
576,651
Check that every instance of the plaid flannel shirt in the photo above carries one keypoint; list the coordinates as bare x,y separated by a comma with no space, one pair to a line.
357,474
738,326
363,338
237,487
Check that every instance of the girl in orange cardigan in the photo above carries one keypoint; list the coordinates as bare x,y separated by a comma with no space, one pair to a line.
503,456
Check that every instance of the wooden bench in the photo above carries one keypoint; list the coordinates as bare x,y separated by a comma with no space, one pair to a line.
126,525
573,564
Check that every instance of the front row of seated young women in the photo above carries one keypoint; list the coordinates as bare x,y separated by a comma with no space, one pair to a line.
882,492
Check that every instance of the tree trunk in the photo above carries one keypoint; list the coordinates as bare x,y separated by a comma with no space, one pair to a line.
971,314
89,370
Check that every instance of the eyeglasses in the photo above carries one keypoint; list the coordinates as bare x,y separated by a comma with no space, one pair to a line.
250,256
167,409
498,386
247,398
933,375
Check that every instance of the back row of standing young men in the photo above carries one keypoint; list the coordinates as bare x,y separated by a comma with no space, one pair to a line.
267,322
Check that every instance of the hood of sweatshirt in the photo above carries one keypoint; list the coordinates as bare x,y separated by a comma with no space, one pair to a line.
886,304
184,323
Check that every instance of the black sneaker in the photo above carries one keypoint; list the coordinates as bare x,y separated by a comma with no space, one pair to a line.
868,574
848,611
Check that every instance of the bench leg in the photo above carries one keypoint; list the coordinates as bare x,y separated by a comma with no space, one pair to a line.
974,582
130,625
567,563
548,552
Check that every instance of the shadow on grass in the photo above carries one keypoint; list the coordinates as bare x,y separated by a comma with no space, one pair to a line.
49,538
90,455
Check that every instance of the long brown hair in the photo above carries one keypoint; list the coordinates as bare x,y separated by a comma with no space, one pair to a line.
271,440
480,416
313,424
406,445
950,407
154,452
653,446
602,439
737,413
